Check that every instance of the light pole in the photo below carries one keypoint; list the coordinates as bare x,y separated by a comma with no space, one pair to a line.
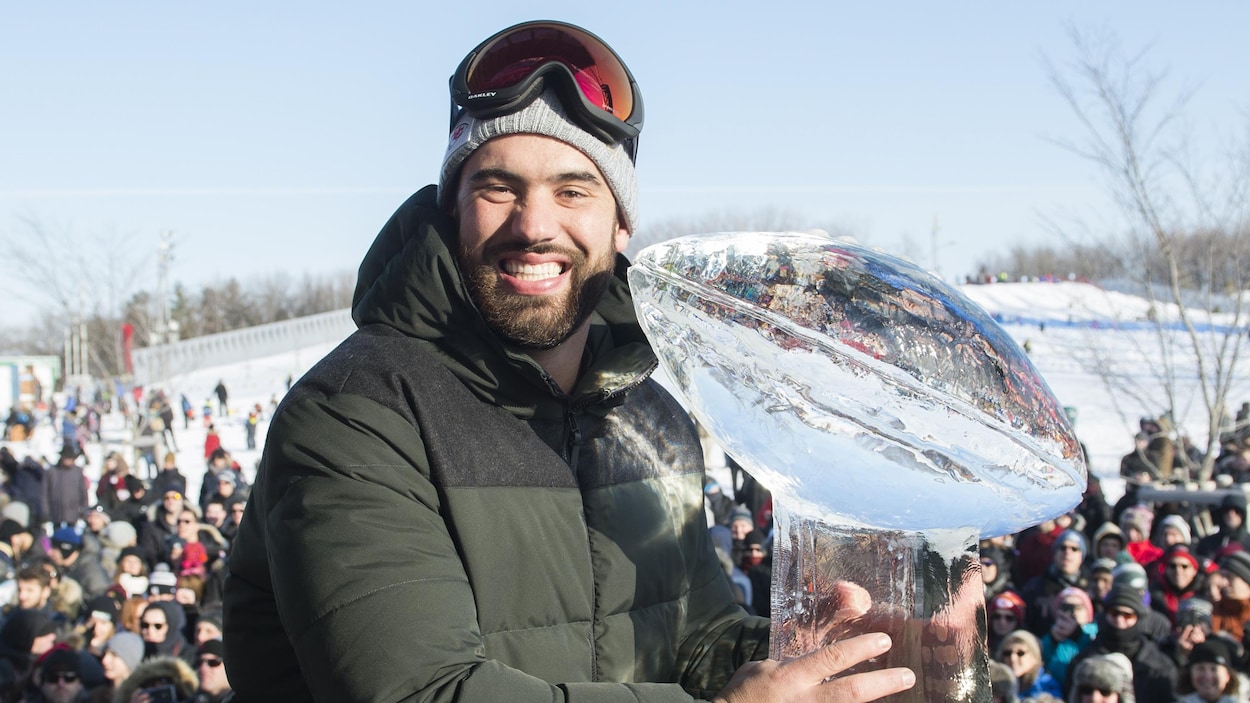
165,255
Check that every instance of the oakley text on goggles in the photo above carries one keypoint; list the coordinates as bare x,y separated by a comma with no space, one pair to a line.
512,68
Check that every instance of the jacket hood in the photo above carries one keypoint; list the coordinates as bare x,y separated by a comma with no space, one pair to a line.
172,668
410,280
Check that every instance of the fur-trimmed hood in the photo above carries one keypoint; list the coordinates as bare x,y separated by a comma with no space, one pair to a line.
176,670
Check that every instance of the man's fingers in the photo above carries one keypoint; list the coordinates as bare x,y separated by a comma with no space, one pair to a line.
831,660
868,686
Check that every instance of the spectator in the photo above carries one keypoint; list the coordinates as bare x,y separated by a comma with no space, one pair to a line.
757,568
995,572
111,489
1073,630
1066,570
1021,651
61,677
1211,675
1136,522
222,395
1154,675
1193,626
157,672
1106,678
1006,615
1182,579
1233,608
1003,685
1109,541
170,478
1232,521
65,490
69,559
214,686
161,627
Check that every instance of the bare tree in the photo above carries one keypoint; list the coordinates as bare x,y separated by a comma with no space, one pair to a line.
1171,199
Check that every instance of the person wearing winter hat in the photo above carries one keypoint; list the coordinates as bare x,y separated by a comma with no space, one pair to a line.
1211,676
1174,530
1108,541
1119,631
1005,613
1231,517
1137,522
1105,678
1021,651
100,622
496,321
1232,610
1182,579
1073,630
159,673
60,676
214,685
995,572
1003,685
1066,570
1101,577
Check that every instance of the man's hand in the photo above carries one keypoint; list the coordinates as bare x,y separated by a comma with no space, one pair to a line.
1065,626
813,677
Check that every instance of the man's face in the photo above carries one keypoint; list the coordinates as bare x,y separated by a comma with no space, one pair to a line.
989,570
1232,519
96,521
1102,583
61,686
236,512
225,488
32,594
1120,618
205,631
172,501
1068,557
539,234
212,673
1180,572
215,514
1110,547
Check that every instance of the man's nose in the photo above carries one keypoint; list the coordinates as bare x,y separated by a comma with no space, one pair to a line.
535,219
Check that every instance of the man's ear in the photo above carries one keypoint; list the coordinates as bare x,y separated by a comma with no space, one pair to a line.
620,240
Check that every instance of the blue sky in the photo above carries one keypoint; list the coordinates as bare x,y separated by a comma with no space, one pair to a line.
280,136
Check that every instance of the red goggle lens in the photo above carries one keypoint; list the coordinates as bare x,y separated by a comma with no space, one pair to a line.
510,59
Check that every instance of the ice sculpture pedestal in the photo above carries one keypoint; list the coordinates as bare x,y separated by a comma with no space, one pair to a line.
925,591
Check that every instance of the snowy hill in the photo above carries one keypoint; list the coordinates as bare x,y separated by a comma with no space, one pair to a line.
1097,350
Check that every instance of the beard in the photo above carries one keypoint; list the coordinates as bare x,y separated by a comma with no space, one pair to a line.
537,321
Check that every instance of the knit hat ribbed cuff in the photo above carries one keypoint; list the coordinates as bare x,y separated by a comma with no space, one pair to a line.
547,117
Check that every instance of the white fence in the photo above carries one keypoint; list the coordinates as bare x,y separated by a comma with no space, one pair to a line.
152,364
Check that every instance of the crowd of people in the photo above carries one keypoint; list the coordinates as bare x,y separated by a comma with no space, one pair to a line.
1140,600
112,588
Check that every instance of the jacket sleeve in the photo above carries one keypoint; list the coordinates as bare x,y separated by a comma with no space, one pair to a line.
368,584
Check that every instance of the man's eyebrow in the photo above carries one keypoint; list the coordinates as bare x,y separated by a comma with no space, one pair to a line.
582,176
493,174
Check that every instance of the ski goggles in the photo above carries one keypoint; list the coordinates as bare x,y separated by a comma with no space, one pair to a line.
512,68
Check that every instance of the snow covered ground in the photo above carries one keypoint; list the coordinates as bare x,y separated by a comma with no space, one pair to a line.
1096,350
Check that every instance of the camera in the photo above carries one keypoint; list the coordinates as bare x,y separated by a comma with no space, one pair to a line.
161,694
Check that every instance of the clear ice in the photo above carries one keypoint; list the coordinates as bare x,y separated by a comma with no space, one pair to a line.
893,420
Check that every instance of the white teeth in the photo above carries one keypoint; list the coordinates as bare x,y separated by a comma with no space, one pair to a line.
532,272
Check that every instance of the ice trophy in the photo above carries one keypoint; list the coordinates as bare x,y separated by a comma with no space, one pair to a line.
893,420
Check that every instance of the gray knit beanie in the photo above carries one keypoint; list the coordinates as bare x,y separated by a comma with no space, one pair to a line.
545,116
1109,672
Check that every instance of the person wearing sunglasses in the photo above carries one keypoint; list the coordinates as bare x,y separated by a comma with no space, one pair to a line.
1066,570
481,494
210,667
60,677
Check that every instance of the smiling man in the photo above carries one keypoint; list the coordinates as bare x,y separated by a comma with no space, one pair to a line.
481,495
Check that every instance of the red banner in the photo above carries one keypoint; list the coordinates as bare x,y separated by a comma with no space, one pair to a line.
128,341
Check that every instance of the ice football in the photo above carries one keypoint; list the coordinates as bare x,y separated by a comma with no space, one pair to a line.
854,384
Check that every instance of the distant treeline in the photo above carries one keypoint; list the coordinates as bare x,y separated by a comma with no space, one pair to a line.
1212,262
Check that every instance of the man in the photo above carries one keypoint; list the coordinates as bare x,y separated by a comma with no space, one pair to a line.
65,490
34,588
170,478
1232,519
72,563
154,535
481,495
214,686
1119,631
1066,570
60,677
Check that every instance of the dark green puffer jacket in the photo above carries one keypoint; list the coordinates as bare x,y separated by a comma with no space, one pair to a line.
433,520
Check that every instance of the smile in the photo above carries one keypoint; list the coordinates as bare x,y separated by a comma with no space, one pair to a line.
532,272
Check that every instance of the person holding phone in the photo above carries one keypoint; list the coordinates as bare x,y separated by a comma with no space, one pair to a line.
159,680
1073,630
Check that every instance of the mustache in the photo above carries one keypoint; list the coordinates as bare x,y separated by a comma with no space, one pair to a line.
493,252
